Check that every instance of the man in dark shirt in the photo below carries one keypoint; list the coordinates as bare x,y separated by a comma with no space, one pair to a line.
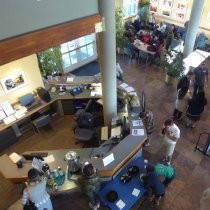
185,81
201,78
153,184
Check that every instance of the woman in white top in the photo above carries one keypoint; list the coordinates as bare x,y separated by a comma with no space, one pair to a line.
36,191
181,103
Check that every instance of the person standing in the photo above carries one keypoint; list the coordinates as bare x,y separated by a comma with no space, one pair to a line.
181,103
119,71
154,186
90,184
185,81
171,135
201,78
168,172
195,108
169,38
36,190
148,120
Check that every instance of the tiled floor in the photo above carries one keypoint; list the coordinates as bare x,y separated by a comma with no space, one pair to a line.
193,168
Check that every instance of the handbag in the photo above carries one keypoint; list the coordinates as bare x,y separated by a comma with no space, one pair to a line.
29,204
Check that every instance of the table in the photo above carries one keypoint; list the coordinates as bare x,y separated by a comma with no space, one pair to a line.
126,191
143,52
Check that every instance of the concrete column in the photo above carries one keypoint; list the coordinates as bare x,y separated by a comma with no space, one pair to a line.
193,26
107,58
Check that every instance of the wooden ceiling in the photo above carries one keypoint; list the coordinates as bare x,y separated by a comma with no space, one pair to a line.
28,44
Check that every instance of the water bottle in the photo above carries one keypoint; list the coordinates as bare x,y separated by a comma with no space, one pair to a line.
61,176
56,176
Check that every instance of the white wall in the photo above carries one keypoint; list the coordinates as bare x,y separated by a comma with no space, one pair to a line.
29,66
22,16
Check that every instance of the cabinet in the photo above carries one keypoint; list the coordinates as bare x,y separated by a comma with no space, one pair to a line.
7,137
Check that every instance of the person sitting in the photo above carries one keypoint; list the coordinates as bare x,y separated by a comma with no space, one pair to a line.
36,190
146,38
137,24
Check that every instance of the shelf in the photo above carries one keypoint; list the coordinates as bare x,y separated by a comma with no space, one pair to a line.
76,80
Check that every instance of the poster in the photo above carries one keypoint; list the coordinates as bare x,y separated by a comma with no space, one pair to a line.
167,7
13,82
153,6
181,10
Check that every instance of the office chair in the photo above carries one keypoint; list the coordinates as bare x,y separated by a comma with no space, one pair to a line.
40,122
85,130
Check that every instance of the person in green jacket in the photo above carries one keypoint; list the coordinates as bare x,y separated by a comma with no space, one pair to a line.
168,172
90,184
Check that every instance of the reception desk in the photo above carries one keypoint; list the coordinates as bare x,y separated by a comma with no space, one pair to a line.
122,153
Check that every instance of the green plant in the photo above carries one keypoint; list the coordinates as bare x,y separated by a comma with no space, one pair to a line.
50,61
172,63
121,39
143,10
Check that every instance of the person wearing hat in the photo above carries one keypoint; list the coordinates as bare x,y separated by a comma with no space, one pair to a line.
200,78
90,184
36,190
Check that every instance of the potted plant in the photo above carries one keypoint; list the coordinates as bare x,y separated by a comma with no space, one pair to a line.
50,61
121,39
172,63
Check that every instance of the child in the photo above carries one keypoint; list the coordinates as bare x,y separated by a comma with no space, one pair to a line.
168,172
155,187
90,184
148,120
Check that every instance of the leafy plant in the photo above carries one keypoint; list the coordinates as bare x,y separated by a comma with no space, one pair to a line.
121,39
173,64
50,61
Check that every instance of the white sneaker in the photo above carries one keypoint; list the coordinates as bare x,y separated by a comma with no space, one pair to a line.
168,163
93,207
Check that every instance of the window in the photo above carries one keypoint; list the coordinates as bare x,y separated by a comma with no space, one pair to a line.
78,52
130,7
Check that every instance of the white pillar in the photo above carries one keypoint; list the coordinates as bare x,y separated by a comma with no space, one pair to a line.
107,58
193,26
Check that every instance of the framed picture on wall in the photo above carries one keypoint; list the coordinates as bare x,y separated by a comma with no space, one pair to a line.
153,6
167,7
181,10
13,82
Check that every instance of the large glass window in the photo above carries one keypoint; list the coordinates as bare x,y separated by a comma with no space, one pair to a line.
78,52
130,7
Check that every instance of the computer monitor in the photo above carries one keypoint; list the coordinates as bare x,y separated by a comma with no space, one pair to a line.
27,99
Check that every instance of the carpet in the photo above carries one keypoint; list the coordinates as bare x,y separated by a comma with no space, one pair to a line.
89,69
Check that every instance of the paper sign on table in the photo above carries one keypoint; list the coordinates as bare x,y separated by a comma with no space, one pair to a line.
15,157
49,159
69,79
108,159
129,89
123,85
137,123
120,204
137,132
135,192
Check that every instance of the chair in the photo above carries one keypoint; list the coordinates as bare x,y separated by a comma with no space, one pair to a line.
145,57
41,121
84,131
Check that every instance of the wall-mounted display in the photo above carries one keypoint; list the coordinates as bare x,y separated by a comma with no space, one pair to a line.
167,7
153,6
181,10
13,82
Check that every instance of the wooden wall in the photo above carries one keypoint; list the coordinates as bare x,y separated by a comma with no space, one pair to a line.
28,44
